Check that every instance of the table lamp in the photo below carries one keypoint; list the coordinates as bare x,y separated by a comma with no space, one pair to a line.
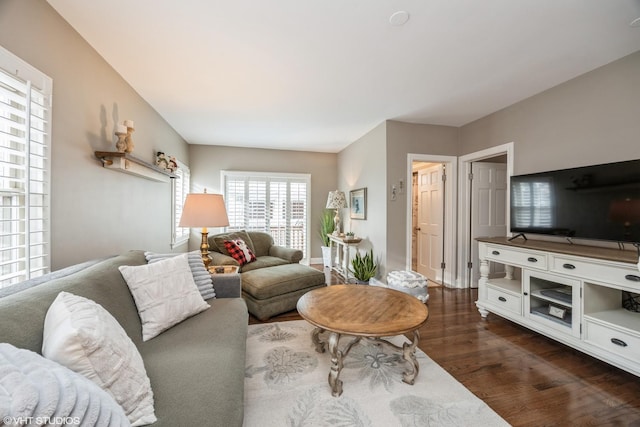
336,200
204,210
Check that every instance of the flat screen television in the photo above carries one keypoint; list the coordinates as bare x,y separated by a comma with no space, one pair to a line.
600,202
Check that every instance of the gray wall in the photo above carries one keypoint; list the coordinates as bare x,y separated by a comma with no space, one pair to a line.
403,139
594,118
363,164
207,162
377,161
94,211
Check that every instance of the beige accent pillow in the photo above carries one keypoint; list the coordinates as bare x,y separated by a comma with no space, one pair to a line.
81,335
164,292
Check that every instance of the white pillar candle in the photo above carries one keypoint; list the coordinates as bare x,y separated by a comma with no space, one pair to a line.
128,123
121,129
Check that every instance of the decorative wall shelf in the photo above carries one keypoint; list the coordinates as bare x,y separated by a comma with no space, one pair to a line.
127,163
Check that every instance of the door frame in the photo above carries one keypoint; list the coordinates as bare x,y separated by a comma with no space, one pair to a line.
450,208
464,234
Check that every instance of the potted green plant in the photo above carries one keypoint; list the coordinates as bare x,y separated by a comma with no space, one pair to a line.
364,267
326,228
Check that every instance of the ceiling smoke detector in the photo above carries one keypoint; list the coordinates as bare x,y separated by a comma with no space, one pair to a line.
399,18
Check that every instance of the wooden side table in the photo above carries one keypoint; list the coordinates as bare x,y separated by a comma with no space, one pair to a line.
343,244
226,281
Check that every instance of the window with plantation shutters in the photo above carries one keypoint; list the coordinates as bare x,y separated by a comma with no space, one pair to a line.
181,187
274,203
25,117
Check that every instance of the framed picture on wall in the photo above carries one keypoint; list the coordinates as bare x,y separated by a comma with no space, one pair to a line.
358,203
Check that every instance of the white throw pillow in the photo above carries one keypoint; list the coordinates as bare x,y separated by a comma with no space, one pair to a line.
201,276
84,337
164,292
32,386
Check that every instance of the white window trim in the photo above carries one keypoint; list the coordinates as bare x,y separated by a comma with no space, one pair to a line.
184,237
25,71
35,78
302,176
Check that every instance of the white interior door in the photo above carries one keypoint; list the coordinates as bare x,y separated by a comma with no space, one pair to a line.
488,209
430,230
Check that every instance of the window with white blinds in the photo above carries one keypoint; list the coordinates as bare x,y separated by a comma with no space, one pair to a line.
181,187
25,117
271,202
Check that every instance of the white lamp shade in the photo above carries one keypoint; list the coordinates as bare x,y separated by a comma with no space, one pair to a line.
336,200
204,210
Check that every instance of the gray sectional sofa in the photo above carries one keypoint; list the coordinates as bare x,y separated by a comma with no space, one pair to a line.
273,283
196,368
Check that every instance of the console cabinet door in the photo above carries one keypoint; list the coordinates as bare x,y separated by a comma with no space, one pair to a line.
553,302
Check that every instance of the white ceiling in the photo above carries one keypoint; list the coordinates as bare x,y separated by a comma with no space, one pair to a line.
318,74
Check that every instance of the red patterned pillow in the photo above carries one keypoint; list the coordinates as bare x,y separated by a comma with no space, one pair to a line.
239,250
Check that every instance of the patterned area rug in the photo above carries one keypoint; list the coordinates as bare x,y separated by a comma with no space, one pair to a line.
286,385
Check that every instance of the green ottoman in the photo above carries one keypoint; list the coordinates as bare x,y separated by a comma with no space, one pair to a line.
275,290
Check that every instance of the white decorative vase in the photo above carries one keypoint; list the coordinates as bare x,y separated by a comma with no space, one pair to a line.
326,256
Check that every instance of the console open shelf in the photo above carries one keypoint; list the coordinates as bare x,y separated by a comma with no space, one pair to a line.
509,285
604,304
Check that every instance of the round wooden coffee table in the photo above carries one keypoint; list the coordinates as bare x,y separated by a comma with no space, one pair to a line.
362,311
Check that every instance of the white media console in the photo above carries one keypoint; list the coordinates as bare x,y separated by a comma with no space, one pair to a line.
570,293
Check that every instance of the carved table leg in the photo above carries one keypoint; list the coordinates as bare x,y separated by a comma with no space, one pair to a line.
409,354
315,338
336,365
337,356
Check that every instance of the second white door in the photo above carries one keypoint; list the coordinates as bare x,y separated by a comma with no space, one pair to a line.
430,227
488,209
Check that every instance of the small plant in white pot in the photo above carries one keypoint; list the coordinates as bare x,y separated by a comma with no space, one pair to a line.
326,228
364,267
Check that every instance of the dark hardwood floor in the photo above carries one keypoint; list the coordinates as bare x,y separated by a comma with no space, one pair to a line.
528,379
